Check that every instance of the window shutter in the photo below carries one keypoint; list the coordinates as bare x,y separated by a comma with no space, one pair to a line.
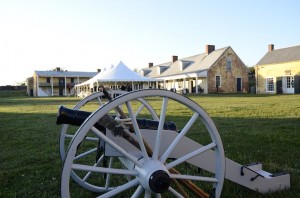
297,84
279,85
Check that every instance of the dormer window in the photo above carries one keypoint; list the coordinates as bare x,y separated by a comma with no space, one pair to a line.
142,72
180,65
228,63
183,64
158,70
161,69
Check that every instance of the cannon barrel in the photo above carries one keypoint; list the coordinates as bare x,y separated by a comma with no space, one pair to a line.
71,116
77,117
74,117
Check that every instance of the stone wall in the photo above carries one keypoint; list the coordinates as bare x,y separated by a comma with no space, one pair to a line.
228,77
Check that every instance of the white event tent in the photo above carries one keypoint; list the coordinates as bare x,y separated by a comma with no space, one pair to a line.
119,77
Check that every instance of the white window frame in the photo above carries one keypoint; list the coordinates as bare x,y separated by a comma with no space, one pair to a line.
267,84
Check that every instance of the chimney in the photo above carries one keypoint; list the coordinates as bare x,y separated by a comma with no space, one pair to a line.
271,47
98,70
174,58
150,65
57,68
209,49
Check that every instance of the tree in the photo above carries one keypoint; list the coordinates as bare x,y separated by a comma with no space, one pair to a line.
252,70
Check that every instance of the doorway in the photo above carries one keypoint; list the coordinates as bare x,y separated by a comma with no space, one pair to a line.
288,84
61,91
239,84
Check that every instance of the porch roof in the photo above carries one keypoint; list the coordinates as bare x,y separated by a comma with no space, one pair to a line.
202,74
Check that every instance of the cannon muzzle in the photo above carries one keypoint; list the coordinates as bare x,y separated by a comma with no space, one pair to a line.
71,116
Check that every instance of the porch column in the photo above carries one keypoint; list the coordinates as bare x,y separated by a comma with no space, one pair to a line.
196,82
65,86
164,84
51,85
37,86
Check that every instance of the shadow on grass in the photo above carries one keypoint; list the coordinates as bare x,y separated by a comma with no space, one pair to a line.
30,101
220,95
31,166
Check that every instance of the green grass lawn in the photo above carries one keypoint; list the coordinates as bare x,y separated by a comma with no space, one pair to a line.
253,128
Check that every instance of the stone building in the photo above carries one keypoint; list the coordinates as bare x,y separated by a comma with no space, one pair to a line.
214,71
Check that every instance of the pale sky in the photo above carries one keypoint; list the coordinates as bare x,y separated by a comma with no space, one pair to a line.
84,35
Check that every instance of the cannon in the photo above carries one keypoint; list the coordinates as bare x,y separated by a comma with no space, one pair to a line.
186,160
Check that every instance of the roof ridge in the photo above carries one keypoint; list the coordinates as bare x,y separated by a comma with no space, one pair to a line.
205,53
295,46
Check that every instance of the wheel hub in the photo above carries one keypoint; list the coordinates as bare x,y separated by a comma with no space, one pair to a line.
159,181
154,176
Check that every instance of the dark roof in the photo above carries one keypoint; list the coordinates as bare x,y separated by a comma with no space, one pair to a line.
281,55
65,74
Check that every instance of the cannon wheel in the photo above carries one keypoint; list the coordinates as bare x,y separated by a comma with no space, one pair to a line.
66,133
149,174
